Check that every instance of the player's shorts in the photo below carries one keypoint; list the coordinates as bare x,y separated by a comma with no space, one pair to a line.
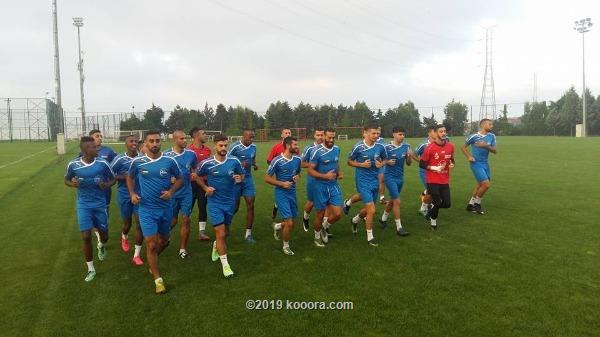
126,207
219,214
108,193
422,177
183,204
326,194
481,171
155,220
368,192
286,203
394,186
246,188
310,190
89,218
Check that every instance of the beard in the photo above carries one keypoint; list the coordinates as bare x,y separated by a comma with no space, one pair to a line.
223,153
155,149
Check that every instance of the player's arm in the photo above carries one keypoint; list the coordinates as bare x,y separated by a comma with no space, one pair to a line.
424,163
200,174
178,174
323,176
271,155
239,173
70,178
115,166
466,152
271,180
130,181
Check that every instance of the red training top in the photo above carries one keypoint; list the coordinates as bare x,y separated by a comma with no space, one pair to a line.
275,151
202,153
438,155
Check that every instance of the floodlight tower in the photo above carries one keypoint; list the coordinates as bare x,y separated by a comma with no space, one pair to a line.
583,26
78,22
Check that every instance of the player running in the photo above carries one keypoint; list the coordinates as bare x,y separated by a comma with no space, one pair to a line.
438,160
306,154
153,173
91,176
120,167
202,153
367,157
276,150
398,153
482,143
183,199
416,156
223,172
283,173
324,168
381,176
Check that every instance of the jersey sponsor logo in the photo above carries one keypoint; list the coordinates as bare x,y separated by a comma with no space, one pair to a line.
214,172
436,156
97,180
163,172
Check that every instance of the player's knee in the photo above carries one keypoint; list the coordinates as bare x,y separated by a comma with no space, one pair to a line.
486,184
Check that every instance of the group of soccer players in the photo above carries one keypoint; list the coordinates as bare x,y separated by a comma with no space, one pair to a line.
154,187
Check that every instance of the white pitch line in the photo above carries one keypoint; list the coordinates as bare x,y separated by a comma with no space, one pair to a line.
26,157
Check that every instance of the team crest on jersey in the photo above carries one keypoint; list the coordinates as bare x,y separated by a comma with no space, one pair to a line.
144,172
230,172
163,172
214,172
436,156
97,180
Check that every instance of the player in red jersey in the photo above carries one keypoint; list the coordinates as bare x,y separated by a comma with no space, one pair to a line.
276,150
202,152
437,160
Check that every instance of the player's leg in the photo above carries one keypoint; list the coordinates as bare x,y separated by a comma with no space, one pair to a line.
86,248
392,187
184,232
100,222
202,215
352,200
445,195
381,189
139,239
436,202
176,204
369,214
288,209
424,205
221,248
249,219
126,209
320,204
288,224
308,206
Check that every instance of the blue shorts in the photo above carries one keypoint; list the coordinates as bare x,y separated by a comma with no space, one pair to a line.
246,188
108,193
382,170
326,194
368,192
286,203
422,177
89,218
126,207
219,214
310,190
183,204
481,171
394,186
155,220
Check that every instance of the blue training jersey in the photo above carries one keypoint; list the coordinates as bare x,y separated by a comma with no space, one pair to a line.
187,163
380,140
245,154
480,154
399,153
154,177
120,166
361,153
219,175
307,152
326,160
89,193
284,170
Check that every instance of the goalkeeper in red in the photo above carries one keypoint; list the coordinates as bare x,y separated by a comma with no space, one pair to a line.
437,160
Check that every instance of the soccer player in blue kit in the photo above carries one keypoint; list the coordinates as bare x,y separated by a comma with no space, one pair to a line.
482,143
325,170
153,173
306,154
398,153
120,167
183,199
367,157
222,173
417,157
245,151
283,173
91,176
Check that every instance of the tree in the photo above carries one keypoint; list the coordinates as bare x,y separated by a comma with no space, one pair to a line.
456,118
153,118
404,115
429,121
501,126
534,118
220,119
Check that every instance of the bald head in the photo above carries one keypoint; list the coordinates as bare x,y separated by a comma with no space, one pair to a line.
179,140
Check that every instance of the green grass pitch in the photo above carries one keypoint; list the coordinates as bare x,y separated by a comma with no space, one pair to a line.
530,267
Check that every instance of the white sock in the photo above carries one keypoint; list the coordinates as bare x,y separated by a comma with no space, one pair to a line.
477,200
248,232
277,226
472,201
356,219
381,197
317,235
306,215
181,250
349,202
369,234
97,236
100,244
137,251
286,244
423,206
326,224
202,225
433,222
325,219
385,216
224,260
158,280
398,224
90,265
124,236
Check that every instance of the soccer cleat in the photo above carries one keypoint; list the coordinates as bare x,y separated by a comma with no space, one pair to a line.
428,214
184,255
319,243
402,232
478,209
124,245
249,239
102,253
215,254
227,272
354,228
324,236
160,287
305,224
383,223
471,208
373,242
287,251
346,207
275,232
274,212
137,261
203,237
328,232
91,274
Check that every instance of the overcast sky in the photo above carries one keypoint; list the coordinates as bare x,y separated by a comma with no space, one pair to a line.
255,52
